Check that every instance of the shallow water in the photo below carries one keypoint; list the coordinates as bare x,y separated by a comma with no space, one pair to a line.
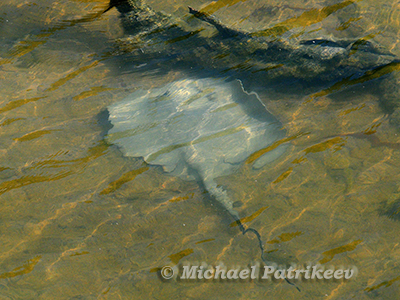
79,220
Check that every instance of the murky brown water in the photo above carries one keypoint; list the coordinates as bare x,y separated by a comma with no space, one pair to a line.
80,221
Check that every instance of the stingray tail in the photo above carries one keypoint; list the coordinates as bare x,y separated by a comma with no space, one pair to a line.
222,197
260,244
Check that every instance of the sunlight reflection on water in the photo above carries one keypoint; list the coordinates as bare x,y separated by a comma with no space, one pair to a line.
80,220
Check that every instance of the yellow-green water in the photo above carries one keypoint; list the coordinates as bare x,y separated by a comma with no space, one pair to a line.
80,221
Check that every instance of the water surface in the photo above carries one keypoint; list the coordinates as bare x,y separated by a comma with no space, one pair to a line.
79,220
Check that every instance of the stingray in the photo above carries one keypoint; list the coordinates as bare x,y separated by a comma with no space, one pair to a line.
197,129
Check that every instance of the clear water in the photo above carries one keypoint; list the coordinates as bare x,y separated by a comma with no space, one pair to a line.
80,221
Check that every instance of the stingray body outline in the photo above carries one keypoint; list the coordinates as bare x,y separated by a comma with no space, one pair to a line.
197,129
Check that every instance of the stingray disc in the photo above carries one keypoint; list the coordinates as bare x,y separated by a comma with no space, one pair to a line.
196,129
